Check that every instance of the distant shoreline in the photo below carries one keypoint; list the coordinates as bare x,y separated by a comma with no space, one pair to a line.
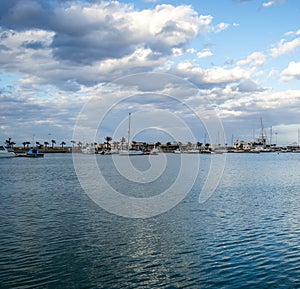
44,150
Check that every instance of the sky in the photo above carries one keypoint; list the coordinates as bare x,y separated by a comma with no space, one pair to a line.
206,70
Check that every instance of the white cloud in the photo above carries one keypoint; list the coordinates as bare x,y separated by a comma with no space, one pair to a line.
271,3
220,27
215,75
284,47
61,62
254,59
106,40
268,4
177,51
292,72
292,33
191,50
276,107
204,53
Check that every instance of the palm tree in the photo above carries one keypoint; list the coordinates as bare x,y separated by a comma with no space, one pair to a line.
199,144
28,143
62,145
134,144
24,143
8,142
73,142
108,139
37,143
53,143
46,144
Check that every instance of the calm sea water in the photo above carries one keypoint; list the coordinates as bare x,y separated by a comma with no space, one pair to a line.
247,235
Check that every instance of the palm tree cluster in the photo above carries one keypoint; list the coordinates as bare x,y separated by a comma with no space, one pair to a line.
45,144
107,145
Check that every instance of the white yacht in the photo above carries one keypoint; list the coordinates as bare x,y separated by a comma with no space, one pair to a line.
6,152
88,150
131,152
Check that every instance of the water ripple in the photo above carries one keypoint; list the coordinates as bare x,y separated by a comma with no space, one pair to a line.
245,236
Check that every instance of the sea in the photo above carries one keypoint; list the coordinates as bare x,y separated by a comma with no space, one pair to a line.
246,234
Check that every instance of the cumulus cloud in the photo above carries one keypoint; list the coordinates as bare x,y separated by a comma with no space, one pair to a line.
277,108
204,53
248,85
292,33
284,47
214,75
86,43
37,116
254,59
292,72
220,27
99,31
65,51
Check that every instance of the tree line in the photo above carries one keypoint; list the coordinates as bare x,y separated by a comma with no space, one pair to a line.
107,144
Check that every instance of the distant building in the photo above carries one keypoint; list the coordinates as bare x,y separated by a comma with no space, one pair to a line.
243,145
169,148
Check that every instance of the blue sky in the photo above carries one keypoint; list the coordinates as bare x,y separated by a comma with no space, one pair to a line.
240,58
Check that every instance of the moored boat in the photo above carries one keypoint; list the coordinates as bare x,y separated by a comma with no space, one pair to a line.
192,151
32,153
205,151
178,151
6,152
88,150
130,151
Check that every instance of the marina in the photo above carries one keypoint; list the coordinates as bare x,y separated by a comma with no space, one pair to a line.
149,144
144,148
261,144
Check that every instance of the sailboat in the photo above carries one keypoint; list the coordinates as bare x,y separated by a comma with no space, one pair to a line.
130,151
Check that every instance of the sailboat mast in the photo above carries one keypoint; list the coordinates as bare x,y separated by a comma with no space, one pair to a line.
129,119
262,128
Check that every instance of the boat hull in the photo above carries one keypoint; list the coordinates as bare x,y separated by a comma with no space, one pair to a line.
7,155
30,155
6,152
131,153
33,153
